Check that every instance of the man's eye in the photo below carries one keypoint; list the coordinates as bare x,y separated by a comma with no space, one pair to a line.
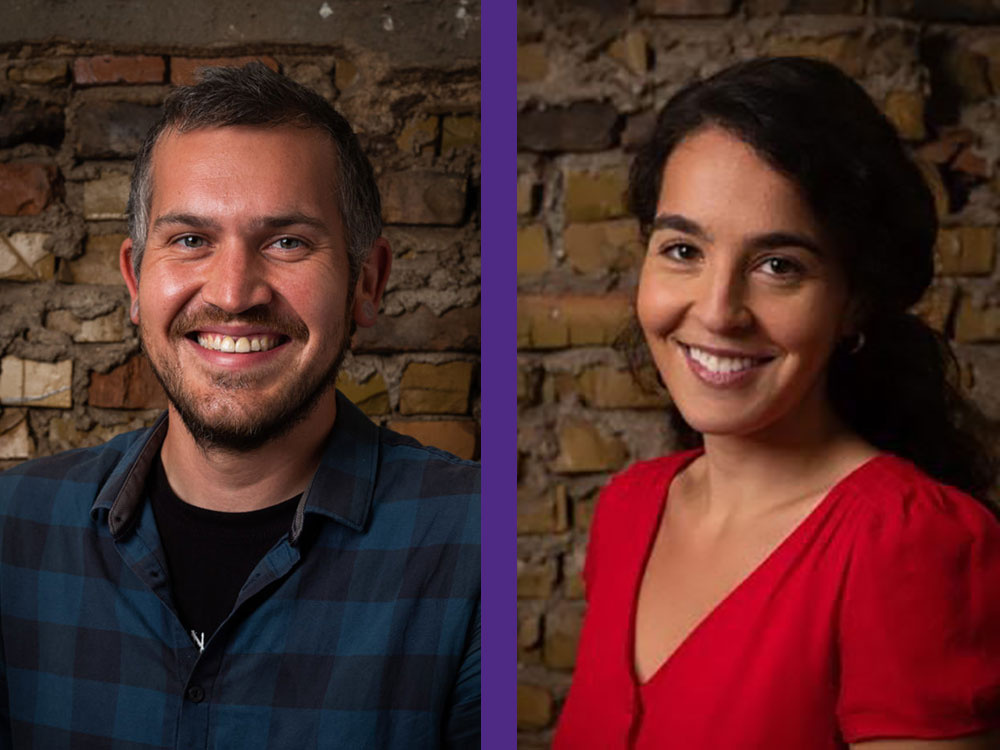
289,243
191,241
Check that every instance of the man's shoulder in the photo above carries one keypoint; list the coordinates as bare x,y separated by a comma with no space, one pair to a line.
447,471
84,470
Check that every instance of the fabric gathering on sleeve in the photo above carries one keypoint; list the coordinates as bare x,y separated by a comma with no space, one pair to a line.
919,637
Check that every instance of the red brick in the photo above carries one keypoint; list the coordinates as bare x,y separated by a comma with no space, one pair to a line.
183,69
129,386
25,188
119,69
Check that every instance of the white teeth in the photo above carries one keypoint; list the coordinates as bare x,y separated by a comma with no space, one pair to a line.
720,365
240,345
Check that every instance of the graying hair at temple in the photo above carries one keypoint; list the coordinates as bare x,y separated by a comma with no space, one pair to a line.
257,96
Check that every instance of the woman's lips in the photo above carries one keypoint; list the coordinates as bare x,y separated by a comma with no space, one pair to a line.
718,369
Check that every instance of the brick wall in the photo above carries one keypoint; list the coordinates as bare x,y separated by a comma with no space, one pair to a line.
72,115
590,79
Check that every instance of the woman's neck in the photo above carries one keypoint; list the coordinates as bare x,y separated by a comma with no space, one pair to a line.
744,475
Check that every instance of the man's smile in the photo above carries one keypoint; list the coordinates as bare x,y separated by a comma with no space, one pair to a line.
239,344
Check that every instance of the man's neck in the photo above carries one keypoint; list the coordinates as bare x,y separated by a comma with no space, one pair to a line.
235,481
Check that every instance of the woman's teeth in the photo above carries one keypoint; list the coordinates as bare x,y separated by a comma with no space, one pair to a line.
239,345
721,365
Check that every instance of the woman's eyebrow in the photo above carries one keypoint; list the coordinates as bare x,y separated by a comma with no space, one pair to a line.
681,224
775,240
766,241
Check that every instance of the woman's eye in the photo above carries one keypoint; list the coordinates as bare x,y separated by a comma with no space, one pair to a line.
682,252
783,267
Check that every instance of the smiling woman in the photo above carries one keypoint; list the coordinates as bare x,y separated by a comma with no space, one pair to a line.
812,574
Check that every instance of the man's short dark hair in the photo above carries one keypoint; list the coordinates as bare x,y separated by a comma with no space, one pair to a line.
256,95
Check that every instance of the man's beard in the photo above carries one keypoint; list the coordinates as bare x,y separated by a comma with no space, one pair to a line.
227,432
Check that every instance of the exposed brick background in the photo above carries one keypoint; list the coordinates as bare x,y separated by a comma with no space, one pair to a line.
591,76
73,112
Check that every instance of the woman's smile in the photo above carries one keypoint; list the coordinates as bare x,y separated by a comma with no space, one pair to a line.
740,299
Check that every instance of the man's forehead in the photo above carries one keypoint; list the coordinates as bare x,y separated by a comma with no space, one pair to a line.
177,140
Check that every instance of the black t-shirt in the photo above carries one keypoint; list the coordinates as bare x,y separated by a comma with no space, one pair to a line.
210,553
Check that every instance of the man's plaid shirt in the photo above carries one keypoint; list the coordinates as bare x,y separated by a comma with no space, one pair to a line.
359,629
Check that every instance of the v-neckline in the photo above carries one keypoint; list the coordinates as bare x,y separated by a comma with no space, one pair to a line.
780,551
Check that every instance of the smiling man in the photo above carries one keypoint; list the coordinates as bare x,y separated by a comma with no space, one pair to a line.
264,567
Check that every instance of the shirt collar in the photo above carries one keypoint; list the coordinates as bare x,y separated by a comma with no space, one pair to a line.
341,489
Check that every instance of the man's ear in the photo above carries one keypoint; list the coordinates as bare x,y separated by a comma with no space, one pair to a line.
371,282
131,280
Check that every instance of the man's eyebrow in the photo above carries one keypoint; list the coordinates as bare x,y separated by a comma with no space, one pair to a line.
766,241
288,220
264,222
189,220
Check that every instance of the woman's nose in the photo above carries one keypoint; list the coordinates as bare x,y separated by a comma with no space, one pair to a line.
722,304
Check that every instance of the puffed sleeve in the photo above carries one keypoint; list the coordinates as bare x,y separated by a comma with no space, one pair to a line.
920,620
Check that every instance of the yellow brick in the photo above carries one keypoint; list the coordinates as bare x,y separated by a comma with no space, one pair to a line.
936,305
23,257
598,247
15,437
457,436
975,323
534,707
583,448
435,388
570,320
525,194
543,512
966,251
632,51
532,63
532,250
418,135
460,133
606,387
592,196
905,110
536,579
562,635
846,51
371,395
25,382
345,73
99,262
107,197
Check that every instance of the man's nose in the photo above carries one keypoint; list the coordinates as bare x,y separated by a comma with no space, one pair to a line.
723,303
236,278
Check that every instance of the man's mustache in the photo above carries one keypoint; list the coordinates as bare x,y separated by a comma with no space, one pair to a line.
262,316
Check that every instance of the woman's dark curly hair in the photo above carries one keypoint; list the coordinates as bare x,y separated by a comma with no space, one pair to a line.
819,128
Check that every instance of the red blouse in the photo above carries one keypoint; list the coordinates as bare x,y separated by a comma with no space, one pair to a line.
877,617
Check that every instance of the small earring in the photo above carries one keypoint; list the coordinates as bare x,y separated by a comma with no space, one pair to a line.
135,307
858,344
368,309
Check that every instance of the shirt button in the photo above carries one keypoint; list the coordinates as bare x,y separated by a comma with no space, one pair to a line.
195,694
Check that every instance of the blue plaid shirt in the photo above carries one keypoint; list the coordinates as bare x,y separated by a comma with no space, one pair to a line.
359,629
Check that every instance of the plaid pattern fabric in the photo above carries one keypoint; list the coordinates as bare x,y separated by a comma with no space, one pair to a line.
359,629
